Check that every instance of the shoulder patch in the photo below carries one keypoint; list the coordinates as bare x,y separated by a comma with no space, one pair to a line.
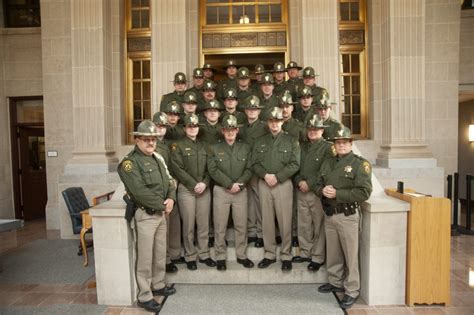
366,167
173,146
127,166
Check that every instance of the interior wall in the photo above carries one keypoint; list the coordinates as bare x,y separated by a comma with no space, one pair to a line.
465,148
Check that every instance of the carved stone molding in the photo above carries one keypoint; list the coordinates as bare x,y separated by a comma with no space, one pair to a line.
256,39
351,37
139,44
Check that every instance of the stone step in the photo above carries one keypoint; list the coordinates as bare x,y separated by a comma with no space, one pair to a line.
253,253
237,274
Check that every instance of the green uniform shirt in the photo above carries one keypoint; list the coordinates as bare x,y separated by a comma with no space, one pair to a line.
282,87
302,115
189,162
268,103
162,147
242,95
173,96
294,128
249,132
210,133
334,126
312,157
279,155
318,92
174,133
224,85
229,164
350,175
146,179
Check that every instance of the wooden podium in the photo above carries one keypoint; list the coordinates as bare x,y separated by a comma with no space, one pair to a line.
428,248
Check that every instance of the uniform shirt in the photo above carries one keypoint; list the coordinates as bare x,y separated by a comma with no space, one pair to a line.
282,87
229,164
312,157
294,128
197,91
173,96
268,103
279,155
224,85
189,162
210,133
146,179
302,115
318,92
350,175
334,126
251,131
242,95
174,133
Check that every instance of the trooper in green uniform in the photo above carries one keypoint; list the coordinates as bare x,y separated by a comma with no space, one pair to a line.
198,82
174,130
229,166
323,109
151,188
230,81
280,84
290,125
243,89
179,89
293,71
259,71
268,99
208,94
309,79
230,105
311,235
344,183
188,162
275,159
173,237
210,129
208,71
190,104
305,108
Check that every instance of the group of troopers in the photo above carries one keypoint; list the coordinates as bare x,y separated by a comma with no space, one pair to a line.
259,151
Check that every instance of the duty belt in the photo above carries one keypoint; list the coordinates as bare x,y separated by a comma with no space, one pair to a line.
349,208
149,211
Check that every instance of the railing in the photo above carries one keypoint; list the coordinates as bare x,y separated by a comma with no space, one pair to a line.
457,229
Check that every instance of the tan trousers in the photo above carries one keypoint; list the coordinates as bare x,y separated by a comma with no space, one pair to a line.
194,210
276,201
342,242
254,225
174,235
311,234
223,200
151,253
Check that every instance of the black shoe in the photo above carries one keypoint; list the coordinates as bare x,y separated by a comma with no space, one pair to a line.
314,266
150,306
247,263
208,261
211,242
259,243
265,262
327,288
347,301
171,268
180,260
251,239
221,265
191,265
299,259
278,240
286,265
165,291
294,241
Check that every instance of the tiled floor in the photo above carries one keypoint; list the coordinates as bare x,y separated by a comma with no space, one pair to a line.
462,295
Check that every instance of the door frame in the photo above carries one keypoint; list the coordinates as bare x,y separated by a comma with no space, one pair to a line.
14,145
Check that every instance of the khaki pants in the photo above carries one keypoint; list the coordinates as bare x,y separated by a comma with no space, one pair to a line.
174,235
223,200
311,234
254,211
194,210
151,253
276,201
342,242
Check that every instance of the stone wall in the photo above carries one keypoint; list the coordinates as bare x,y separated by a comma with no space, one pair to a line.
21,73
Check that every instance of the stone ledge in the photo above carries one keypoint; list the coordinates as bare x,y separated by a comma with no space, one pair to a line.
20,30
382,203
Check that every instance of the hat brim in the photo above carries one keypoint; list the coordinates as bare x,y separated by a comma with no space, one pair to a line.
317,127
232,127
254,107
144,134
292,103
276,71
298,67
341,138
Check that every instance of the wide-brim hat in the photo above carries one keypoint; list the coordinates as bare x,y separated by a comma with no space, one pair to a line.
286,99
230,121
278,67
190,98
343,133
315,122
172,107
207,66
160,119
146,128
212,104
179,77
293,65
275,114
191,120
230,63
259,69
252,102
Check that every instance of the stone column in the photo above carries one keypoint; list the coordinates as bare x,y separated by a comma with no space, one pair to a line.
403,85
319,42
91,39
168,46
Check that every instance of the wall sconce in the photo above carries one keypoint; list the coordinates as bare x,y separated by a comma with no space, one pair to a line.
244,19
471,132
471,277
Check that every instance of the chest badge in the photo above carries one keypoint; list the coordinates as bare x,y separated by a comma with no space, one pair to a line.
348,169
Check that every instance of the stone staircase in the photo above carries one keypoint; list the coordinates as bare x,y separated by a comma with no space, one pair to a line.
237,274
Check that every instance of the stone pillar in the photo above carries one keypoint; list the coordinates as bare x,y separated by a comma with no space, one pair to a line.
319,42
403,85
168,46
91,39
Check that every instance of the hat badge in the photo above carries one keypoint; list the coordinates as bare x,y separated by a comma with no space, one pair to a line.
307,71
252,101
231,93
193,119
174,107
340,132
191,96
151,129
244,72
180,77
231,121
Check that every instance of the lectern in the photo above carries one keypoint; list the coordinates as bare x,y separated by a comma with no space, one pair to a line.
428,248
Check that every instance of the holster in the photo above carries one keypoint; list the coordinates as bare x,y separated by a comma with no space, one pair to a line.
328,205
130,208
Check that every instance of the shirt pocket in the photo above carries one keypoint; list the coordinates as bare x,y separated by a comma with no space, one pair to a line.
284,154
151,175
